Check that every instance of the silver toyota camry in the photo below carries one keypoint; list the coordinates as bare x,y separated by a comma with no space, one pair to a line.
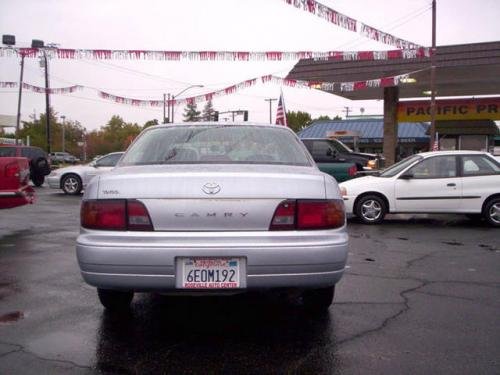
210,208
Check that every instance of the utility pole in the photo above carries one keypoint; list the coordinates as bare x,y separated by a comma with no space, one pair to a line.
47,101
164,109
270,100
168,107
63,126
433,78
18,120
347,110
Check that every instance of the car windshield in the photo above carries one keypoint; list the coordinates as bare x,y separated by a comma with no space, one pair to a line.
398,167
226,144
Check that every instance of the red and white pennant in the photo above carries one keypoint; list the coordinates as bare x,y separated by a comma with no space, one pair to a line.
80,54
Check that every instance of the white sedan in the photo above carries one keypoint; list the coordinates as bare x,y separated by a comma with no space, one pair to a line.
73,179
462,182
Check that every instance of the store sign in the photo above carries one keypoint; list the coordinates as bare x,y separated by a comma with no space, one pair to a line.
454,109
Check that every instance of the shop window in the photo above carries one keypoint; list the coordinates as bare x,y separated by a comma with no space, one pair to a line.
474,142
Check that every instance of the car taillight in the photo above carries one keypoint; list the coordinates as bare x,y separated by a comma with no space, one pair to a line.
12,169
352,171
284,216
308,214
323,214
138,216
115,214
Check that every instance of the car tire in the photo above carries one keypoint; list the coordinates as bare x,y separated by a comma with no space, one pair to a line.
71,184
318,299
38,180
491,212
115,300
474,217
371,209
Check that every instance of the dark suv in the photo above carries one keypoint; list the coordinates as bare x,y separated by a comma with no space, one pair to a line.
38,159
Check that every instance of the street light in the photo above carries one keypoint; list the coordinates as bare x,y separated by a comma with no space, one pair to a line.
175,96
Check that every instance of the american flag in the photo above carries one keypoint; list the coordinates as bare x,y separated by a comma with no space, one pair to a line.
281,112
435,146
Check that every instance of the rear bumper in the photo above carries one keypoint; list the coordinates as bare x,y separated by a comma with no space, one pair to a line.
15,198
146,262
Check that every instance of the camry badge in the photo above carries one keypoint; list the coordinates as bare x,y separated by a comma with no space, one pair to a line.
211,188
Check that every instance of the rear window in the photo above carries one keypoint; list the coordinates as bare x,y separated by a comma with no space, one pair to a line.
224,144
7,151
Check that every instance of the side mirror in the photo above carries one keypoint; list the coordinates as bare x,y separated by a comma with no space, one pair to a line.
406,176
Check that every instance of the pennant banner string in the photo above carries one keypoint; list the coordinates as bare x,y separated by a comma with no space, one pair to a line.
326,86
351,24
78,54
42,90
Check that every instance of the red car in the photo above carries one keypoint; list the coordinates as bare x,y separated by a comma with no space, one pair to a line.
14,182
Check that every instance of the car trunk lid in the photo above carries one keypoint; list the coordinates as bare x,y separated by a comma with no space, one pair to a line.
212,197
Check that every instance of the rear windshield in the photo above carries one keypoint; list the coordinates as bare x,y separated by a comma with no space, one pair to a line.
224,144
7,151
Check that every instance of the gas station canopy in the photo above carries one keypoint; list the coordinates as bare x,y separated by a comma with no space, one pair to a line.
461,70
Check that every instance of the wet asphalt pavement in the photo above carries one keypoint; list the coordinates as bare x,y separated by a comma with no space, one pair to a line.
421,296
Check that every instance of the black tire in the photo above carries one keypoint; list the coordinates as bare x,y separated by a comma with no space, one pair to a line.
115,300
474,217
371,209
38,180
41,166
71,184
318,299
491,212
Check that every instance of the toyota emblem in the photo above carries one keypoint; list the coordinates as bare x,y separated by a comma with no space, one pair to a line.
211,188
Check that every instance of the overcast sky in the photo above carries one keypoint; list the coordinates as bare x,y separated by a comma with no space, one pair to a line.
245,25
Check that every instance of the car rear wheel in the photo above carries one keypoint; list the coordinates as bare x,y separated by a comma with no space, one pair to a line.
491,212
38,180
318,299
71,184
115,300
371,209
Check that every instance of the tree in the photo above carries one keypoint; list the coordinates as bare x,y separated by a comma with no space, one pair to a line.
208,111
116,135
191,113
149,123
298,120
36,131
322,118
337,117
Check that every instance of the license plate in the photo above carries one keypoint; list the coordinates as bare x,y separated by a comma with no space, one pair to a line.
210,273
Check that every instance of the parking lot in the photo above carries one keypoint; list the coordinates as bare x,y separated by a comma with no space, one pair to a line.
421,295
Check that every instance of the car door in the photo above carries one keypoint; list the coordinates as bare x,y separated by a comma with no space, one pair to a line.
432,185
481,178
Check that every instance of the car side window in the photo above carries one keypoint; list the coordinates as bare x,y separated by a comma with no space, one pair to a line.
478,165
108,161
435,167
26,152
320,151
